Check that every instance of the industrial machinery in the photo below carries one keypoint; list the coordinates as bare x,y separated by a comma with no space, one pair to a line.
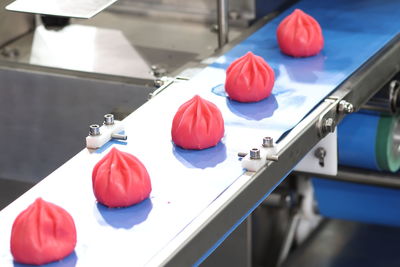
325,144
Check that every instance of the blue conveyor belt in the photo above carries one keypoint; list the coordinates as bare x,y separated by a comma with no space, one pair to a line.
186,182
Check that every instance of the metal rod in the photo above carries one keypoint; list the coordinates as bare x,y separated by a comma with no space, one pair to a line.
119,136
361,176
222,13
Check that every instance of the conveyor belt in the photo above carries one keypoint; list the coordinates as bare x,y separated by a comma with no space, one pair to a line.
185,183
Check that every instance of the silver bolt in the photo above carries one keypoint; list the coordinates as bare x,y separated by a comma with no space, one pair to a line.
119,136
94,130
158,83
108,119
268,142
320,154
329,125
346,107
255,153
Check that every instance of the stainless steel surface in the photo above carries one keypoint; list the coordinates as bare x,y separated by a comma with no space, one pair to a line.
83,9
21,24
89,49
42,100
348,244
189,10
223,23
109,119
268,142
237,201
255,153
235,251
362,176
94,45
94,130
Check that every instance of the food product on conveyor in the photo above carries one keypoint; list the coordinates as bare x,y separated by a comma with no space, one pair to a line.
120,180
300,35
198,124
42,233
249,79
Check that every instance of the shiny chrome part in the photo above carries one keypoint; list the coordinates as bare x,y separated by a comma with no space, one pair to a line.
223,27
158,83
268,142
273,157
329,125
108,119
94,130
345,107
119,136
255,153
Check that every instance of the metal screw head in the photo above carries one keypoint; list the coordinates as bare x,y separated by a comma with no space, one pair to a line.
320,153
329,125
158,83
268,142
109,119
94,130
346,107
255,153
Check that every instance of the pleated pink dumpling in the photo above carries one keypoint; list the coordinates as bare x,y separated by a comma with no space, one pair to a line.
42,233
198,124
300,35
249,79
120,180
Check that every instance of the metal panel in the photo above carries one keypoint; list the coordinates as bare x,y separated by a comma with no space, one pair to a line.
45,117
21,24
83,9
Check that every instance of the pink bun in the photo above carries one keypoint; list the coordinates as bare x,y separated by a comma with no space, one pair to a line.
300,35
249,79
120,180
42,233
198,124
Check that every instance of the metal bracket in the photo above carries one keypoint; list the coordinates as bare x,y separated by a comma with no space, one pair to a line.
333,114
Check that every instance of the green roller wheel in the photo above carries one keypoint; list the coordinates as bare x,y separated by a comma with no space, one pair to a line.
388,143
